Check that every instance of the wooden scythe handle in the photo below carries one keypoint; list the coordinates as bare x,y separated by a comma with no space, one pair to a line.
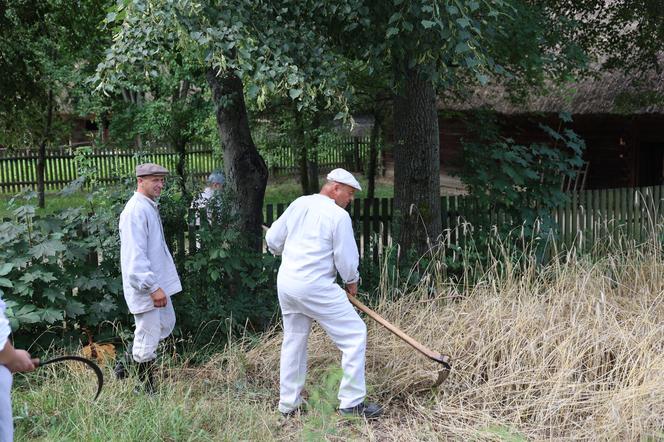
435,356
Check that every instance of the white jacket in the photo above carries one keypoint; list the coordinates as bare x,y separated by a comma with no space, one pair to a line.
315,237
144,257
5,329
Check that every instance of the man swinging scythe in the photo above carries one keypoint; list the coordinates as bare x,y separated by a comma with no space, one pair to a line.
315,238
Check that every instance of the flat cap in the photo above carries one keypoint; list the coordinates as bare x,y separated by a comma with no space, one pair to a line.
344,177
146,169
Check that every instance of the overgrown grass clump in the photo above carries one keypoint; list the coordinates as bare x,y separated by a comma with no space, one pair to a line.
573,350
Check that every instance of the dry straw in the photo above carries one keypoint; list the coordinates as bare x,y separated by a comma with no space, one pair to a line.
573,350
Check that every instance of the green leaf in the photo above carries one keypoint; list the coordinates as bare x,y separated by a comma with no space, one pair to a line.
463,22
51,315
391,31
47,248
428,24
74,308
4,282
462,47
295,93
35,274
53,294
27,314
6,268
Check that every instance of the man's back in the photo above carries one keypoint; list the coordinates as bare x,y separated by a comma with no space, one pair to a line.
316,240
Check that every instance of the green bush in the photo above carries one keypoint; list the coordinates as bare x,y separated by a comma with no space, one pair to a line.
60,274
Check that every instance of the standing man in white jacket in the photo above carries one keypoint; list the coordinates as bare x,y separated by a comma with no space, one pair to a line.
149,277
315,238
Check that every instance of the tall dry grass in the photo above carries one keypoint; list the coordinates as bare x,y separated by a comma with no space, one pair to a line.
573,350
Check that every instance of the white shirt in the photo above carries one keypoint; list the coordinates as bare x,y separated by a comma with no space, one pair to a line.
146,262
315,237
202,202
5,329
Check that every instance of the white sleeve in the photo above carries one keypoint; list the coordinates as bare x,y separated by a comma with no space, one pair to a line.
346,256
5,329
275,237
134,245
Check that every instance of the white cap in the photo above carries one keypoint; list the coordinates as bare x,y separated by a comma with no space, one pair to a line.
344,177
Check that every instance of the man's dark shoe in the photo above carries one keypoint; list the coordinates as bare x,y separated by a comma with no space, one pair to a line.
146,380
121,370
369,411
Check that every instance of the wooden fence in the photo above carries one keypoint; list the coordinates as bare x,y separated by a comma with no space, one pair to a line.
18,168
589,219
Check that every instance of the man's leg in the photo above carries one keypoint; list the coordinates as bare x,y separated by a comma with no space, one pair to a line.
293,364
349,334
146,335
6,422
167,319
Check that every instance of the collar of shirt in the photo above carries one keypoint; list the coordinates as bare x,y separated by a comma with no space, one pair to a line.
154,203
325,197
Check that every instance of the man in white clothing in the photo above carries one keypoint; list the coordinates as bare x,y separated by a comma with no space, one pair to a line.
11,361
315,238
149,276
215,184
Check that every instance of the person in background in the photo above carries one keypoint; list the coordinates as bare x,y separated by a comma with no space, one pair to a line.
215,185
315,238
149,276
11,361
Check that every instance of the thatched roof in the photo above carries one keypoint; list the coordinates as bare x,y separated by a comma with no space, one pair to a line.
611,92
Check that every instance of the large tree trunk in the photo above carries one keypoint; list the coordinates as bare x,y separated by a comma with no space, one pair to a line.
416,162
41,158
246,172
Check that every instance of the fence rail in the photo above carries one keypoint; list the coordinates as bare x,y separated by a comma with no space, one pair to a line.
18,168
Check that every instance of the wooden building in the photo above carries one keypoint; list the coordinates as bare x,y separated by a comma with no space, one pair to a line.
620,118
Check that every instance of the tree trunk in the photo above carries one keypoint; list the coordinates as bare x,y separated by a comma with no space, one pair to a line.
312,161
373,154
301,145
41,159
416,161
180,117
246,172
312,169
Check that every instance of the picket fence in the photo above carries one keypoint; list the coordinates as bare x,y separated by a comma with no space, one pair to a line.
18,168
590,219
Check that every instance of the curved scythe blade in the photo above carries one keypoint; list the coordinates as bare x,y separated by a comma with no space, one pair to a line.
88,362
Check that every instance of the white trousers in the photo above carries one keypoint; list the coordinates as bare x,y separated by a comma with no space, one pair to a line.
6,422
151,327
336,315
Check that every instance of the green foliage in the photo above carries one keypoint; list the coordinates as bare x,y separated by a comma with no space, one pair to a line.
45,45
274,47
223,281
519,180
52,277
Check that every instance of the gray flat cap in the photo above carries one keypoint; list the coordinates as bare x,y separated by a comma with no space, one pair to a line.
217,177
146,169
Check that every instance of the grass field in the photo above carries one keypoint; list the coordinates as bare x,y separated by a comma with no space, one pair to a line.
570,351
